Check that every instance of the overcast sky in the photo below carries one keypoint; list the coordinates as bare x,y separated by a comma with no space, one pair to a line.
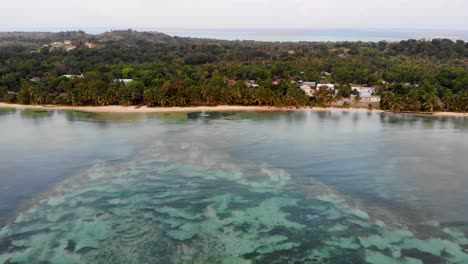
73,14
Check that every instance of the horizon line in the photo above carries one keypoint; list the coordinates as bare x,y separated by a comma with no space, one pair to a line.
143,28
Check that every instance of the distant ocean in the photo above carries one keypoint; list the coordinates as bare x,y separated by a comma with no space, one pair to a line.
295,35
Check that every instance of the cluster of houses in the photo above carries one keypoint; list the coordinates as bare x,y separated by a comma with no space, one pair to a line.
67,45
366,94
71,76
58,44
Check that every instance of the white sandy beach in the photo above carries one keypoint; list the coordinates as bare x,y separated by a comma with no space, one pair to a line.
219,108
144,109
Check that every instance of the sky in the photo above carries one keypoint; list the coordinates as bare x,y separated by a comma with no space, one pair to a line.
311,14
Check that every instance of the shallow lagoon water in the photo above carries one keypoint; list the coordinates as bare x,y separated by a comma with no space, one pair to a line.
286,187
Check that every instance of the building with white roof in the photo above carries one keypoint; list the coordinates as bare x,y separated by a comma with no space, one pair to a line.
362,89
328,86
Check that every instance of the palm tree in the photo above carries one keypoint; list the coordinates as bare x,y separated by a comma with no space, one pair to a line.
430,101
397,104
357,98
447,99
387,100
411,103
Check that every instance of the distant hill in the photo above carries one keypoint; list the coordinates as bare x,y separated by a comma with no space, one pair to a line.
129,37
134,36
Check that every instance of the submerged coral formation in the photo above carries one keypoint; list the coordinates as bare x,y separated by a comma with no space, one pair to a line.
183,203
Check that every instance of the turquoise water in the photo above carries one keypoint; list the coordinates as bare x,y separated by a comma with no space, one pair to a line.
285,187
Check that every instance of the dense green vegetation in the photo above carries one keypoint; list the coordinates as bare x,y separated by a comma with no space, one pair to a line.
414,75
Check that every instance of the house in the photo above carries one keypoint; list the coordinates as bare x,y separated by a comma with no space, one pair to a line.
311,84
362,89
90,45
276,82
328,86
35,79
251,83
325,75
308,87
307,90
124,81
367,97
70,76
67,42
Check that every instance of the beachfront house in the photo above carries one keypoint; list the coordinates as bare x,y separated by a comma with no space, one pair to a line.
367,97
307,90
364,97
363,90
366,93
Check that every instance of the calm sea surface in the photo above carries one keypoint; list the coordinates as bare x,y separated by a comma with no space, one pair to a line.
285,34
282,187
296,35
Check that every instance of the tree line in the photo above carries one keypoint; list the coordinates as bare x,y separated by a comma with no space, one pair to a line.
414,75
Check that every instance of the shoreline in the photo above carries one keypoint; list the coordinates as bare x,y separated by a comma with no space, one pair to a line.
219,108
